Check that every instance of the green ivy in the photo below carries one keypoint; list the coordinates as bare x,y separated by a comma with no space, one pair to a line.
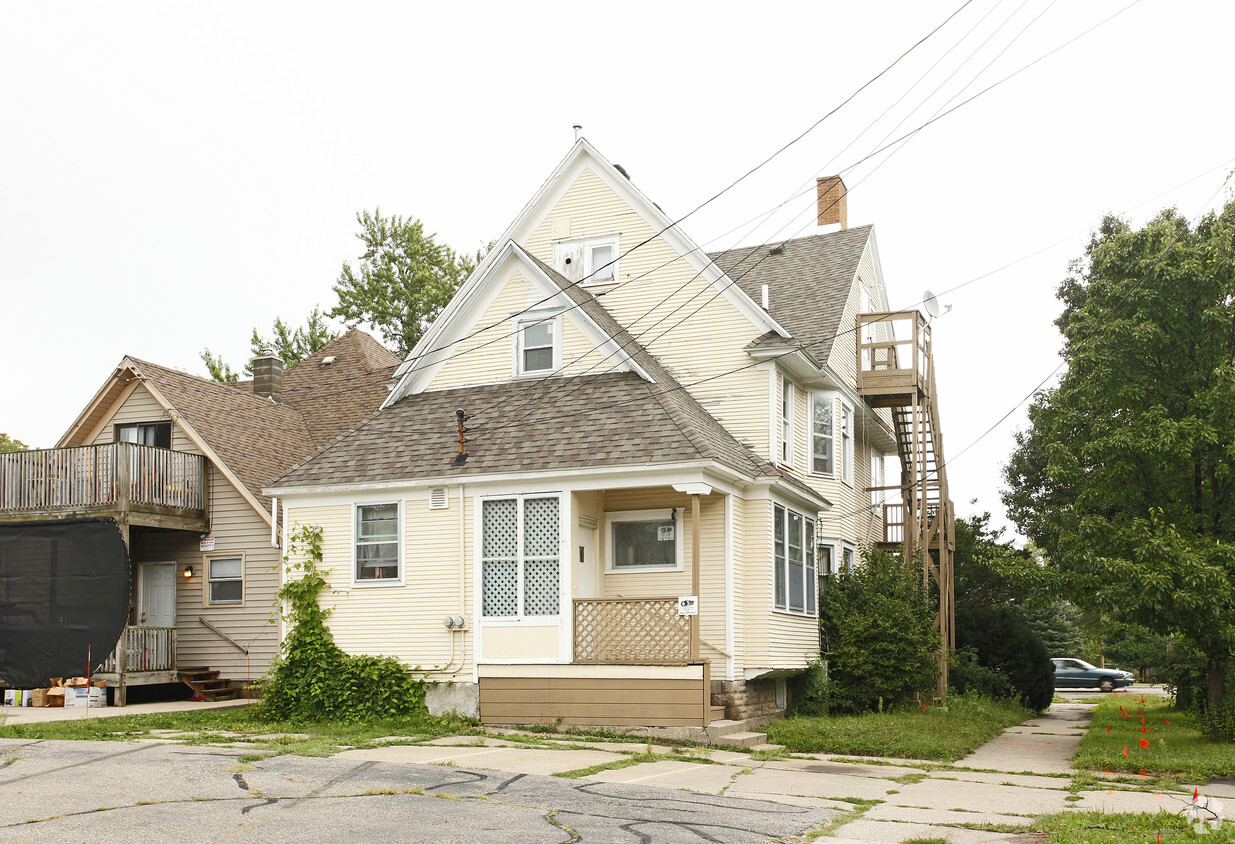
313,679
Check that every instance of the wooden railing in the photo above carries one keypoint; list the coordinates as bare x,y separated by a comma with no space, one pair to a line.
143,649
894,351
111,476
631,630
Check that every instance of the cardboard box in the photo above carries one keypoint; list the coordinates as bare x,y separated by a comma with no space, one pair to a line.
55,697
83,696
38,697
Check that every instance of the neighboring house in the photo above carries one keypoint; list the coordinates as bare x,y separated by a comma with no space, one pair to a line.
603,422
178,463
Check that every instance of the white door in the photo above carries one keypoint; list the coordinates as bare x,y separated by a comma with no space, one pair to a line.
585,565
158,595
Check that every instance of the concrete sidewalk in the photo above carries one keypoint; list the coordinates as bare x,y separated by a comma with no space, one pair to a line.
36,715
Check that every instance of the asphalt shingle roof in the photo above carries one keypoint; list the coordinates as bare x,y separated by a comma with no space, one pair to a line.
808,281
258,438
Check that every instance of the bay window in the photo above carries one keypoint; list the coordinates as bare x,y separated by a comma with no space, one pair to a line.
793,557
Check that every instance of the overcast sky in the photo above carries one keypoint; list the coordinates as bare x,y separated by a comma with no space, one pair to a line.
172,175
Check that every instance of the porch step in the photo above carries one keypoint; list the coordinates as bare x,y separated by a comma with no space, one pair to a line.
743,738
207,683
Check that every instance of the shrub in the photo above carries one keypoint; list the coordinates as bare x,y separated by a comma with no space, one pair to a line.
879,631
313,679
1007,659
1186,672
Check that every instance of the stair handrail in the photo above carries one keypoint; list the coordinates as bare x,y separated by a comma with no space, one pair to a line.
230,640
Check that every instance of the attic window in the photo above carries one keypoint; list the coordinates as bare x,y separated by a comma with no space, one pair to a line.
590,260
538,346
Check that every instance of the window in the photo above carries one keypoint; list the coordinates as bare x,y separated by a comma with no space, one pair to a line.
848,554
157,434
538,349
587,261
822,436
377,544
846,443
786,421
877,496
225,580
645,539
520,557
794,561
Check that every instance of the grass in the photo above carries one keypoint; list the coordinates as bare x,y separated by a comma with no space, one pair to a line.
936,734
1177,746
243,725
1098,828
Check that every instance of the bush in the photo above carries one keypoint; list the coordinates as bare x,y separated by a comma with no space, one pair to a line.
1012,660
881,644
313,679
1186,672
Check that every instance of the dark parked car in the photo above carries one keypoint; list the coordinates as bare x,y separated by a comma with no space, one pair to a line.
1079,674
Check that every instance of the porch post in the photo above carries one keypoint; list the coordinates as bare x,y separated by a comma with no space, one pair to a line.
694,572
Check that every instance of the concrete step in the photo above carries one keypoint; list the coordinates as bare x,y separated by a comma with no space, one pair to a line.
743,739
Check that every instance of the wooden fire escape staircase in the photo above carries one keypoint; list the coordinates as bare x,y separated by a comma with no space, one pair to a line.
896,371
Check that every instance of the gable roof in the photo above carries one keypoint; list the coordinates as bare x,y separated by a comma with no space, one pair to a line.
583,155
250,438
809,280
614,419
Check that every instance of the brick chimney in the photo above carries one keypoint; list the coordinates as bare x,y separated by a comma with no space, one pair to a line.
832,197
267,374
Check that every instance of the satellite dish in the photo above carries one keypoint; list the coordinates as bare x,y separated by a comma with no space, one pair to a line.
930,303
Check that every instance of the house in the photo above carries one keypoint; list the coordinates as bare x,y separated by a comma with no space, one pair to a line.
607,482
172,466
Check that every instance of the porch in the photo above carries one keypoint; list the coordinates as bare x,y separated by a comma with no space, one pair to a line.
134,484
143,656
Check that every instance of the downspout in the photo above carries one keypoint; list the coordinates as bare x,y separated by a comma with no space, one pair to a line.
274,522
694,571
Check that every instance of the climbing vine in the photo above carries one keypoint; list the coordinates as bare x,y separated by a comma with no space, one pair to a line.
313,679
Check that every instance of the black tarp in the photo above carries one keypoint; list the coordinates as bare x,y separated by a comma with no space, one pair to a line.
64,585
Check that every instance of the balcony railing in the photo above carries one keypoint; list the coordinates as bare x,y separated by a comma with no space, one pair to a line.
631,630
894,352
101,478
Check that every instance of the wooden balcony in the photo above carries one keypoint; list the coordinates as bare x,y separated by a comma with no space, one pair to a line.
643,631
143,656
894,358
134,484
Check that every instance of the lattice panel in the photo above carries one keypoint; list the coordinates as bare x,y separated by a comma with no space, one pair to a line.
500,528
500,588
540,527
631,631
540,587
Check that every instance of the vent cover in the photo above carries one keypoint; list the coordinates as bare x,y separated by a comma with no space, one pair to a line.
438,499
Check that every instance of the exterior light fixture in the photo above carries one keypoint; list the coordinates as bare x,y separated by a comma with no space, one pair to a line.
188,570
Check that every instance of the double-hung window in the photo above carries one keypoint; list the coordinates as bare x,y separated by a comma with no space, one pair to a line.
225,580
822,436
377,558
793,551
520,557
538,349
846,443
786,421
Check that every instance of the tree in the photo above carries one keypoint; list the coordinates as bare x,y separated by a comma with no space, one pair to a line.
1126,476
402,281
7,443
292,346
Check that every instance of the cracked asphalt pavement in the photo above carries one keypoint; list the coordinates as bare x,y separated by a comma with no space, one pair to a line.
103,792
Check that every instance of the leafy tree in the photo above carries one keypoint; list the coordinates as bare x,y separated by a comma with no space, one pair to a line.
292,345
1126,477
402,281
878,626
7,443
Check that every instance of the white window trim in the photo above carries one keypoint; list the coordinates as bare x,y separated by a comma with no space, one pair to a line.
830,398
878,496
847,445
834,557
847,548
530,319
384,582
810,573
586,246
206,560
562,562
785,429
645,516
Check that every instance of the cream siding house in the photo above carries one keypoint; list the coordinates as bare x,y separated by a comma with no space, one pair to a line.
606,483
177,463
